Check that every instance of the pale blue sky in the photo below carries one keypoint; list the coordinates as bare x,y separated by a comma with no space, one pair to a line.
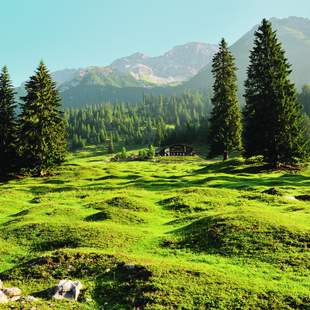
78,33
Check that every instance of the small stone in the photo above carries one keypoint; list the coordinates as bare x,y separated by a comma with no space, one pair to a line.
3,298
130,267
67,289
29,298
12,291
15,298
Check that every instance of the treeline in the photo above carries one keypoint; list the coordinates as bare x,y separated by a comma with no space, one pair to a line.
155,120
35,139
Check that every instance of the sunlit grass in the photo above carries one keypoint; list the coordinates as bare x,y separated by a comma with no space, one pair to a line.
203,229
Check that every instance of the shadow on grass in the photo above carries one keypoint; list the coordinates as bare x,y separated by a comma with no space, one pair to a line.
56,182
124,288
41,189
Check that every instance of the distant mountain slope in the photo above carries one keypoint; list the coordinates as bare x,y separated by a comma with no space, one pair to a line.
178,64
103,76
128,78
293,32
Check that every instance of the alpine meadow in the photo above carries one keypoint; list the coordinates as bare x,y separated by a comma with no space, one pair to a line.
178,181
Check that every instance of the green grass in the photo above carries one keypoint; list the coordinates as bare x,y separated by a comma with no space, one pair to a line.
166,234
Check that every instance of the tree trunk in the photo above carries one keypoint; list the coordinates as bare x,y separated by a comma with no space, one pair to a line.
225,155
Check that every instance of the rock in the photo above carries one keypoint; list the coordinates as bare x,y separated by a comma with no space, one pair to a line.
67,289
3,298
29,298
12,291
15,298
272,191
290,197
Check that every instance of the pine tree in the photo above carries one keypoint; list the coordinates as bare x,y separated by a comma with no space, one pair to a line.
8,146
225,122
111,145
151,152
42,126
273,118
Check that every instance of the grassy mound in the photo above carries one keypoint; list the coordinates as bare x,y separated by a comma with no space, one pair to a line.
48,236
120,202
180,204
124,202
112,282
247,236
193,200
116,215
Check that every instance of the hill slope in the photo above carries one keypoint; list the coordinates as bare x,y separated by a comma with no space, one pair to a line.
158,235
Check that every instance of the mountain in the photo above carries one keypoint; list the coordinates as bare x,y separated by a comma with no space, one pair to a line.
293,32
184,67
128,78
177,65
95,85
103,76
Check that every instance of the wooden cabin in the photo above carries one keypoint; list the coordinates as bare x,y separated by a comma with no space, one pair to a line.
176,150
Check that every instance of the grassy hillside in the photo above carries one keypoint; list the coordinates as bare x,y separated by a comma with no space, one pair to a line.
186,234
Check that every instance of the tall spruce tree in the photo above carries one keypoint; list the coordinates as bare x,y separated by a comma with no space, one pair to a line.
225,133
273,118
111,145
8,146
42,127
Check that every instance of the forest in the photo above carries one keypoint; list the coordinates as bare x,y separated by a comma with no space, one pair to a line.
157,120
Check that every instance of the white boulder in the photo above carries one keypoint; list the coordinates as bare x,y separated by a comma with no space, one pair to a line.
3,298
29,298
12,291
15,298
67,289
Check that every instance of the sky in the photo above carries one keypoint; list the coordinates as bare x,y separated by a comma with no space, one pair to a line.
80,33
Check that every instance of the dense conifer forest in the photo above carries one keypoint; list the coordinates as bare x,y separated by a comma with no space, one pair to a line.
155,120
